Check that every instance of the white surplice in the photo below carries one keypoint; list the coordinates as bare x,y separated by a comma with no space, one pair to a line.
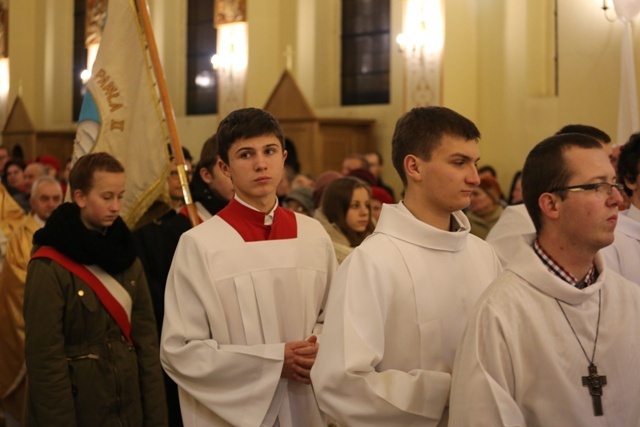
623,256
398,306
230,306
506,235
520,364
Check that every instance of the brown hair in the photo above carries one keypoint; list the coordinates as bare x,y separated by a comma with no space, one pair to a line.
420,131
208,154
81,175
592,131
336,199
545,169
628,162
246,123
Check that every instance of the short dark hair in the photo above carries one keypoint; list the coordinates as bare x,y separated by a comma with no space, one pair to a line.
18,162
546,169
517,176
185,153
628,162
336,199
488,168
364,163
11,162
377,154
291,162
246,123
593,132
420,131
81,174
208,153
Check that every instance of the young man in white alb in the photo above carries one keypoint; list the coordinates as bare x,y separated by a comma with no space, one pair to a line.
400,301
246,293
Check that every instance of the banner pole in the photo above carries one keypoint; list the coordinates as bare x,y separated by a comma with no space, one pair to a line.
168,111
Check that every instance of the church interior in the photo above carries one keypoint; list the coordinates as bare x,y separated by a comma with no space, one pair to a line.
519,69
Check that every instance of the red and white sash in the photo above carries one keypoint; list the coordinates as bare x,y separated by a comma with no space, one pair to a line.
113,296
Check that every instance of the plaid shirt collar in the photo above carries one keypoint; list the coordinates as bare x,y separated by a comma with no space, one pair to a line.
556,269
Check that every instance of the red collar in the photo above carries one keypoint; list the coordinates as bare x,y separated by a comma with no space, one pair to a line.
249,223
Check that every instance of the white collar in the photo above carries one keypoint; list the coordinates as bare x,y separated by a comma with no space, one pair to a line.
634,213
268,218
38,220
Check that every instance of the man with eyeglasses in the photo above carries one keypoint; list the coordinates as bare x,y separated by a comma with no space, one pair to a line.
515,222
623,255
553,341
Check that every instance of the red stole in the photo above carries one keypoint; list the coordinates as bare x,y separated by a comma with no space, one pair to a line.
109,302
250,223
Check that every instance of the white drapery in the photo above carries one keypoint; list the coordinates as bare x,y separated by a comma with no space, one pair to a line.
628,121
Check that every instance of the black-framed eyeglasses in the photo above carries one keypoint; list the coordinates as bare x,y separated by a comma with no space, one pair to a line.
603,189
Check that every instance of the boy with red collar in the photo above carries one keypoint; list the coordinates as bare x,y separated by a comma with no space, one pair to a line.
246,293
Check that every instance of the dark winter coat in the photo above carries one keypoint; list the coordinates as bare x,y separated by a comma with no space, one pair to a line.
81,369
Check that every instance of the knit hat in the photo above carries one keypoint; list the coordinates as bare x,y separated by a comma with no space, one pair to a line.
381,194
491,187
302,195
364,175
48,160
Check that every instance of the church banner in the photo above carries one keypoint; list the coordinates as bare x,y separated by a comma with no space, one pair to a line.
122,110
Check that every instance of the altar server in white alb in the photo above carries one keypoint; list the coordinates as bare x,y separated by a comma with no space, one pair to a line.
554,340
400,301
245,294
623,255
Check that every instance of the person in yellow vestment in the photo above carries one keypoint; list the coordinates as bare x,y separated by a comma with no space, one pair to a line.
11,215
46,196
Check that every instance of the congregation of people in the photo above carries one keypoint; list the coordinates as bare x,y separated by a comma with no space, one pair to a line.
302,301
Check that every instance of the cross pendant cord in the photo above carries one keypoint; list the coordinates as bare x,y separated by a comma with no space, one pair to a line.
593,380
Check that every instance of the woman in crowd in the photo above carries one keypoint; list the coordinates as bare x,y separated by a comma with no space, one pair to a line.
379,196
346,214
485,209
13,180
13,176
515,193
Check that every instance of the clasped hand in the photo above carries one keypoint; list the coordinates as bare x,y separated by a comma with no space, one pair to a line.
299,357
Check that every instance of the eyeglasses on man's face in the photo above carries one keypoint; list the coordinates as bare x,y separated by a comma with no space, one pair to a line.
602,189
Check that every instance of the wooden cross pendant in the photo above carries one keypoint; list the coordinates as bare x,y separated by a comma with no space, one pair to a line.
595,383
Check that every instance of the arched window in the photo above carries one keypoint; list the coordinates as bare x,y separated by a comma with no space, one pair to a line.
202,82
365,51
